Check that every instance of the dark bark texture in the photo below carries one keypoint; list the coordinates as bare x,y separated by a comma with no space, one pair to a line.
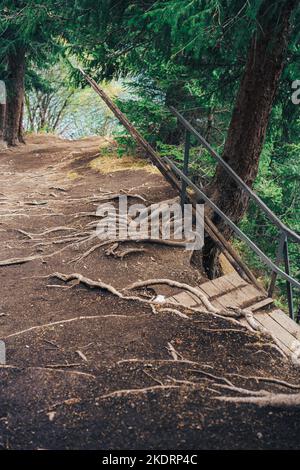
21,130
251,112
2,120
15,96
253,105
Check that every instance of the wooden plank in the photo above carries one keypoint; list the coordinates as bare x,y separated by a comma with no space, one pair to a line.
240,297
276,329
286,322
184,298
251,294
223,285
235,279
209,289
260,305
233,299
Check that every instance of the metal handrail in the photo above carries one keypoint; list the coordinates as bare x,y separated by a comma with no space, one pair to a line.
232,225
285,231
236,178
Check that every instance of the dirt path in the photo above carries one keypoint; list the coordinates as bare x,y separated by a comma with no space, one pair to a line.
86,369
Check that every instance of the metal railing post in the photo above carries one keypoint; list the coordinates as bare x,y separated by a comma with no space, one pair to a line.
279,259
282,255
185,166
291,233
288,284
203,197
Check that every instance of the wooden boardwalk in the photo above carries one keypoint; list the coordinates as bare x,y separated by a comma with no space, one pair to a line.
233,291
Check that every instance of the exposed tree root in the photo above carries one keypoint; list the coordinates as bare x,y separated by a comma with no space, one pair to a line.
59,368
137,391
225,330
212,376
130,251
175,311
22,232
227,315
15,214
93,284
12,261
271,380
157,241
202,297
243,391
105,197
70,320
54,368
175,355
26,259
46,232
160,361
279,400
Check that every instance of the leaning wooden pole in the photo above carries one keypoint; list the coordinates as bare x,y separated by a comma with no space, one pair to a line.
154,157
211,229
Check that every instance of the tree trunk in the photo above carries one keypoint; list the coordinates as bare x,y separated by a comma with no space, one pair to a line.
250,116
21,129
2,120
15,95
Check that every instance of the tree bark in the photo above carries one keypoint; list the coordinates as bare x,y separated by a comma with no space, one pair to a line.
250,115
15,95
21,138
2,120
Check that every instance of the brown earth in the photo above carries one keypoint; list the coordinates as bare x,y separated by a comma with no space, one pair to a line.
106,379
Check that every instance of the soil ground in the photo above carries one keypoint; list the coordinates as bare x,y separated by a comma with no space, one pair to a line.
107,379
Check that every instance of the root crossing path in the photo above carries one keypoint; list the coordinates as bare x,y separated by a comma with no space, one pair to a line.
93,360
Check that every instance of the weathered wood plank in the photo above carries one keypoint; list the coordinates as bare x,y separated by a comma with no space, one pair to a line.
184,298
263,303
276,329
235,279
286,322
241,298
233,291
223,285
209,289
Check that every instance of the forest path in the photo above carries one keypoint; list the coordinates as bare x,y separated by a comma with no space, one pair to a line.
86,369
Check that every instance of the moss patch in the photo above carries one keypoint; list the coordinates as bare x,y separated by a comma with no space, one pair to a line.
112,163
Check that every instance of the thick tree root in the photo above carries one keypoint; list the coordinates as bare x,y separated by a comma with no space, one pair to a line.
279,400
271,380
231,314
202,297
171,243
